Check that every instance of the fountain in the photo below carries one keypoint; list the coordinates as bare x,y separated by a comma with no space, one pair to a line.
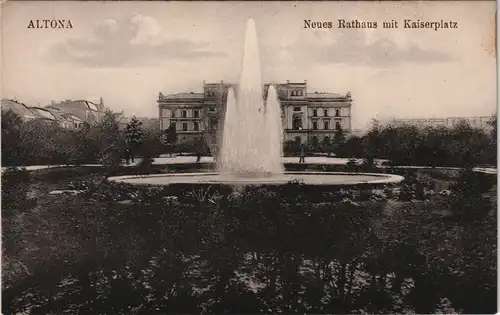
252,134
252,139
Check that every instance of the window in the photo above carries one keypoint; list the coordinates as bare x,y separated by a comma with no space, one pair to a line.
315,141
315,125
196,126
173,126
212,108
298,140
184,113
325,112
337,125
292,93
296,109
326,125
315,112
173,114
196,114
337,112
184,126
297,123
213,123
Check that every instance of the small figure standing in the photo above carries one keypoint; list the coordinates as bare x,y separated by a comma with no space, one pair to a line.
302,158
198,156
127,155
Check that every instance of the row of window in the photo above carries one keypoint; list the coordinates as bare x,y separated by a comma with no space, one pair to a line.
326,125
196,114
315,112
314,140
325,112
297,124
297,93
184,126
73,125
212,125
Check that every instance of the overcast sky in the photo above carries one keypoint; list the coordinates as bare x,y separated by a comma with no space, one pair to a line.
127,52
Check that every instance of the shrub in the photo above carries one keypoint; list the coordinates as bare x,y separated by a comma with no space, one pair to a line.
15,186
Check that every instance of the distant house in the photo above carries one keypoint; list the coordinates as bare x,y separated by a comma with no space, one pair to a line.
84,110
480,122
19,108
76,122
65,120
43,114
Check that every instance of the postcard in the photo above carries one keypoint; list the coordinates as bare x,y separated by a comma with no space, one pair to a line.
249,157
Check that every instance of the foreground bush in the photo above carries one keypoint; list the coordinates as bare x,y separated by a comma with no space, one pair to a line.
257,249
15,187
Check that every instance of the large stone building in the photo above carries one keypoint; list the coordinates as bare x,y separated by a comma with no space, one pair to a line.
307,116
480,122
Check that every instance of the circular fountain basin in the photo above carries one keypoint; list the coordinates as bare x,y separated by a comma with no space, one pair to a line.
307,178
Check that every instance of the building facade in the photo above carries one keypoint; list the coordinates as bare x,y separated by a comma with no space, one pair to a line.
307,117
65,120
480,122
84,110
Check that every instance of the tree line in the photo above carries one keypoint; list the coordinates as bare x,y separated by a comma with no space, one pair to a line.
39,142
461,145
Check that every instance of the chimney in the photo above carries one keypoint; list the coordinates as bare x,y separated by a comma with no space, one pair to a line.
287,81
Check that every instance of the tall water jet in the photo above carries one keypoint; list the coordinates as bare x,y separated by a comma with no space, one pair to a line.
228,157
247,146
274,130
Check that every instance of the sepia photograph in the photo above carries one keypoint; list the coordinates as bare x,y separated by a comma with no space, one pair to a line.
233,157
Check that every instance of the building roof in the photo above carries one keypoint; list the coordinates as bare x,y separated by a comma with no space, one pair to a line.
281,88
43,113
82,103
57,113
92,106
190,95
324,95
18,108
